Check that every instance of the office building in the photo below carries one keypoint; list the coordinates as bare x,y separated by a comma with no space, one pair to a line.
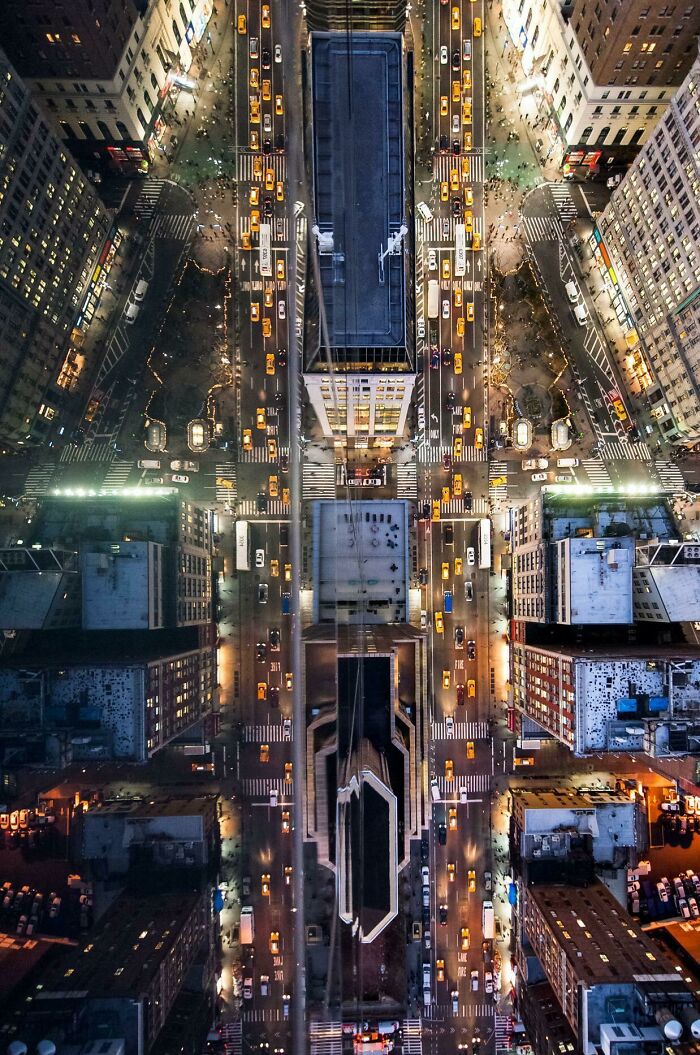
122,980
603,73
650,232
629,699
375,15
105,68
172,832
666,582
359,367
39,588
615,987
52,233
123,585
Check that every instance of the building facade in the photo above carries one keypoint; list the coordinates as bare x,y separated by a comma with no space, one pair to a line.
605,72
651,231
106,75
667,583
52,231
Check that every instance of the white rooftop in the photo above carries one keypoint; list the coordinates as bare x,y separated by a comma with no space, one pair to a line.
593,580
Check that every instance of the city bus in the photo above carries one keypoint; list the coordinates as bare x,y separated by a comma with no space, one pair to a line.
242,545
265,250
460,250
485,543
433,298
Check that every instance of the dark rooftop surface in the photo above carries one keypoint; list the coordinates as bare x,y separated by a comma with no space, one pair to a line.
358,183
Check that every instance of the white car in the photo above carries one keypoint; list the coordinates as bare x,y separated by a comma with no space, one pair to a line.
445,309
663,892
443,55
488,982
260,558
450,725
456,124
471,556
454,995
282,309
267,123
432,260
278,52
179,478
420,327
425,876
475,981
538,477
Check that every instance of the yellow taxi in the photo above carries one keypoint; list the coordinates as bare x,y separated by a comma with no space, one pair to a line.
458,565
457,363
285,496
458,297
467,112
446,679
287,573
464,939
470,312
266,90
265,884
452,819
262,690
255,195
457,448
467,79
456,91
444,191
478,438
444,106
440,970
457,485
499,481
471,688
247,440
476,241
446,272
619,409
267,328
279,270
241,25
260,418
274,943
269,179
445,569
273,486
245,240
455,18
265,16
288,770
449,769
279,190
286,822
254,110
460,326
467,418
268,297
467,140
470,750
451,871
257,168
264,755
274,568
454,178
254,311
471,881
279,105
269,364
477,27
468,196
469,221
436,510
254,220
445,495
439,623
466,168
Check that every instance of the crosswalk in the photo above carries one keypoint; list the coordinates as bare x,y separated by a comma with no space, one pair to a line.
565,205
543,228
260,787
498,471
411,1035
280,228
614,450
276,162
670,476
473,782
147,200
444,163
503,1031
326,1038
232,1036
470,1010
248,507
318,480
225,471
39,480
407,480
429,454
87,452
462,731
264,734
117,474
597,472
176,226
263,1014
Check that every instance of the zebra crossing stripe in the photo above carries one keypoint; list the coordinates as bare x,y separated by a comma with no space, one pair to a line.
38,480
247,507
326,1038
260,787
318,481
670,476
474,783
543,228
597,472
462,731
87,452
412,1034
178,226
264,734
618,450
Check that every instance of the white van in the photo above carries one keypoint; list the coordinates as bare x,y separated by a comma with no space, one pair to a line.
581,313
141,290
424,211
567,463
148,463
130,314
572,292
434,790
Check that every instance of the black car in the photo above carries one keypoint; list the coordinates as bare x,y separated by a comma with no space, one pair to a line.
455,60
274,639
451,401
471,650
423,573
447,357
449,535
456,206
468,501
279,399
265,58
267,205
434,359
444,143
267,146
424,849
281,356
459,636
426,511
261,651
456,147
284,534
284,463
279,141
273,695
261,502
443,915
442,834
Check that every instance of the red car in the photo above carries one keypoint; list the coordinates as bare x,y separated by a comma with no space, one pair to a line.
460,695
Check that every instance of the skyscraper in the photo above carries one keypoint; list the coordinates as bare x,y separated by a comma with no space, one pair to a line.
651,230
52,229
